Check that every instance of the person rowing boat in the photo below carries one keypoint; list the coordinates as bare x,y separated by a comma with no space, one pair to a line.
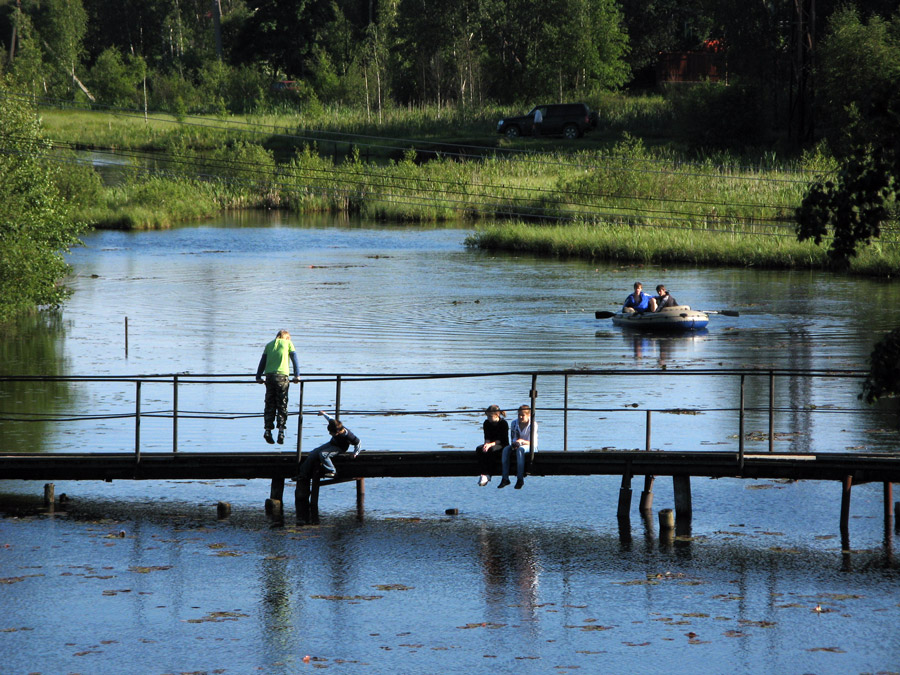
638,301
662,299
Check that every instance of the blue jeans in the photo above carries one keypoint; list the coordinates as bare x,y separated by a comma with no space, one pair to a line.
323,455
520,462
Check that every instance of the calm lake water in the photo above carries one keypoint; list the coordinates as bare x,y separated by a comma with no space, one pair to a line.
142,577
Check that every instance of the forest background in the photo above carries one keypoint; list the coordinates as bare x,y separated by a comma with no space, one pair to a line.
808,88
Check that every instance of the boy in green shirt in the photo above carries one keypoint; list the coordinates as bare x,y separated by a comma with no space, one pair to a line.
274,364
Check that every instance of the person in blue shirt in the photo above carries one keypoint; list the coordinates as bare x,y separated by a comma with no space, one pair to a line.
638,301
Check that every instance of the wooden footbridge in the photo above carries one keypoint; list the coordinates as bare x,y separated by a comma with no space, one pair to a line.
846,469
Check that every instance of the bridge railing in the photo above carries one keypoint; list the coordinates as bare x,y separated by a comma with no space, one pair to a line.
558,410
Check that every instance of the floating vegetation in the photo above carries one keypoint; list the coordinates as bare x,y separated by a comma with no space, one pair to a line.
840,596
15,580
351,598
484,624
393,587
151,568
588,627
217,617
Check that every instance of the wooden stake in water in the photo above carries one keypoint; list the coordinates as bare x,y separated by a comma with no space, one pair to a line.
126,337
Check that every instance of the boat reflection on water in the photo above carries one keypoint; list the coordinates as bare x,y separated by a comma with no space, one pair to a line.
660,347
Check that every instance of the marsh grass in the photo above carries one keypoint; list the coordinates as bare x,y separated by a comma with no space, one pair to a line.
154,203
653,245
624,201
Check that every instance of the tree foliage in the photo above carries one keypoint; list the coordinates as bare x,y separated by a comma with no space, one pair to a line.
63,24
35,228
884,369
859,71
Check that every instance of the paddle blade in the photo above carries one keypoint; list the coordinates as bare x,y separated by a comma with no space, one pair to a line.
604,315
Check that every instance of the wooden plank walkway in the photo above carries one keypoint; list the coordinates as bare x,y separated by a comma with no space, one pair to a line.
863,468
847,468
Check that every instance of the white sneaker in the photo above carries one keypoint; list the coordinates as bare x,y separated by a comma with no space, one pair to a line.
484,480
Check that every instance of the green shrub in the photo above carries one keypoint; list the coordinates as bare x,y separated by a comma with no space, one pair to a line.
116,81
718,116
78,183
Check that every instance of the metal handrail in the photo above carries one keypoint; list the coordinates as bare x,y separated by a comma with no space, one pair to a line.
178,380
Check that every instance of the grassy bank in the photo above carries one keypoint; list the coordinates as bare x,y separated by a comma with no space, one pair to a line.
625,201
649,245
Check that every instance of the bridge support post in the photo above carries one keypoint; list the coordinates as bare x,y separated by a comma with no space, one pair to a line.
646,503
888,504
625,495
314,499
275,502
49,494
301,499
277,489
683,509
360,497
847,485
274,508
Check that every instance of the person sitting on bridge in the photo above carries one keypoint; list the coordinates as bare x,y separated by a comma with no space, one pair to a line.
274,363
496,433
341,440
638,301
662,299
520,440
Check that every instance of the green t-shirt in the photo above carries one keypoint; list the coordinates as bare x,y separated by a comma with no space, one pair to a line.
278,353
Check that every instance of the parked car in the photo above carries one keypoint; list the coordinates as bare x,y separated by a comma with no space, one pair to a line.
570,120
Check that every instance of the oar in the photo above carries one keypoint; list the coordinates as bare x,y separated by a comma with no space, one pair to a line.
723,312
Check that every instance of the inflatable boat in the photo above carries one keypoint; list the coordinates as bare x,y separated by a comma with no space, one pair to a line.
677,318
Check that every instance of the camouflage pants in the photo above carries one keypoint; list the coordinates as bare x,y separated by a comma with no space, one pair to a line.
276,401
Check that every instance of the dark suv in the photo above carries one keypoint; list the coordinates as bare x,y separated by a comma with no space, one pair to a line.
571,120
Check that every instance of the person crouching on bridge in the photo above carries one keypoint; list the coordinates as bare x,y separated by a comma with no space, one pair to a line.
496,431
341,440
521,439
274,363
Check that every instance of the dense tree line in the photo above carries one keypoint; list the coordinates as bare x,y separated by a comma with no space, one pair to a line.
224,55
188,54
